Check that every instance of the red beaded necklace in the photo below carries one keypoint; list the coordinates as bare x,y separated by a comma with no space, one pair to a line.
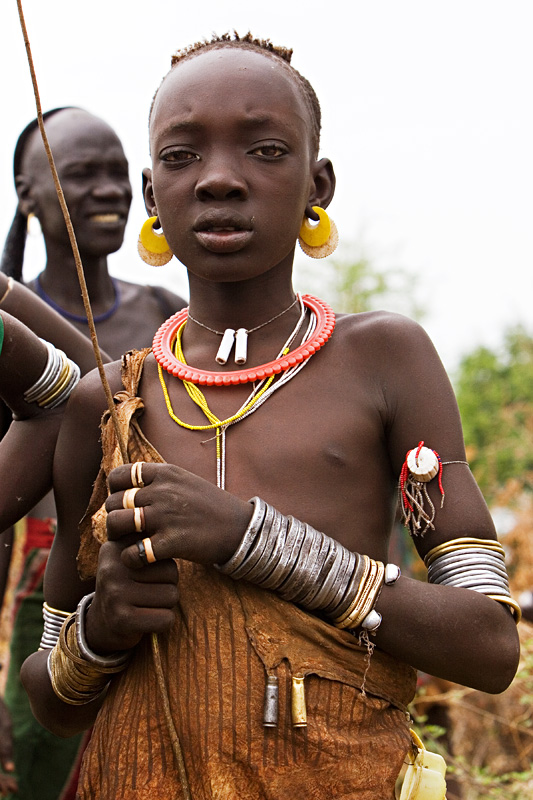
166,335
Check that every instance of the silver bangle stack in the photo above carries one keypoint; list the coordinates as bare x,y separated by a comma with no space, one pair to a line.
309,568
57,381
470,563
53,622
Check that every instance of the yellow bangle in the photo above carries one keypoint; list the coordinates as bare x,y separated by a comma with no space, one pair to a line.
355,601
508,601
59,385
461,544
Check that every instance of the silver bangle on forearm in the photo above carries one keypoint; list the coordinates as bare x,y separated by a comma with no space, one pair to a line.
53,622
475,564
309,568
58,379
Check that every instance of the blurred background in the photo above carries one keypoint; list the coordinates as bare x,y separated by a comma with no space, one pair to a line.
427,117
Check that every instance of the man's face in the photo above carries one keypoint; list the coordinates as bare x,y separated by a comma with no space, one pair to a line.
93,172
232,163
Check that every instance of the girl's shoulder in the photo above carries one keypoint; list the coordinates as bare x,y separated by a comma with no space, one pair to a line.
381,334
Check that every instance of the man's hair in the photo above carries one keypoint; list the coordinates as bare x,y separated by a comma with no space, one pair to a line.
281,55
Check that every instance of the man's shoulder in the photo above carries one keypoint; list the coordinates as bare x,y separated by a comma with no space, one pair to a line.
167,301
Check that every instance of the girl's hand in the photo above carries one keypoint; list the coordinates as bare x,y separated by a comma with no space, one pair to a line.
129,603
183,515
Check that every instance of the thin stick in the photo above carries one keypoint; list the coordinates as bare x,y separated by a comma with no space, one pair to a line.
73,243
90,319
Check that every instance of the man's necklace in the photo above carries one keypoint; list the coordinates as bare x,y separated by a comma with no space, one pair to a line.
78,317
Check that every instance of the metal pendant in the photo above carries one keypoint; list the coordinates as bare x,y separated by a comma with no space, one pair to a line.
298,708
270,713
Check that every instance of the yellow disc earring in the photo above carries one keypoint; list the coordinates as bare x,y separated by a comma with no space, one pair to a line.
153,247
319,241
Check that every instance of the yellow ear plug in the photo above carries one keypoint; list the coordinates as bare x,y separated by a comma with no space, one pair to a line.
153,247
316,235
319,241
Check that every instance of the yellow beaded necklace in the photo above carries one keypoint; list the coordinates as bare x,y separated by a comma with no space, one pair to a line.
198,397
259,395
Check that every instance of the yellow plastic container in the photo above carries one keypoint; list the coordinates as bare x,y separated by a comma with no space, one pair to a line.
425,775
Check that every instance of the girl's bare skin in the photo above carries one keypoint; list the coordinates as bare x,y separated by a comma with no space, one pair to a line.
234,173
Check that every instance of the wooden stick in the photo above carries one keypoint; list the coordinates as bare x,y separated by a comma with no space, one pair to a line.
178,754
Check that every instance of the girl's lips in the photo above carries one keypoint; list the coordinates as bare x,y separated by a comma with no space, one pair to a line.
223,241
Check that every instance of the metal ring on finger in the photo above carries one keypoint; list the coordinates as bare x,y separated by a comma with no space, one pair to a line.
138,519
149,550
142,551
136,475
128,499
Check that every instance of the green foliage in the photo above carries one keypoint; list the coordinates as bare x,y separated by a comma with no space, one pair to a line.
495,396
352,282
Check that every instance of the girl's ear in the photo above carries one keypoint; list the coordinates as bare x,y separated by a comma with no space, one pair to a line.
148,194
323,187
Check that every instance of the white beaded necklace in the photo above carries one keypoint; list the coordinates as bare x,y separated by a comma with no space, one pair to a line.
239,337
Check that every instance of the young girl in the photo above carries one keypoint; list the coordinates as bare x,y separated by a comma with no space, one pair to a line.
249,533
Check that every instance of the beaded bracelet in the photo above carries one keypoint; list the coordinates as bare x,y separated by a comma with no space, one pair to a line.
309,568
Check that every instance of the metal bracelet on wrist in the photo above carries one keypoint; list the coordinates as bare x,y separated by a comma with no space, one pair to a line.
118,660
306,567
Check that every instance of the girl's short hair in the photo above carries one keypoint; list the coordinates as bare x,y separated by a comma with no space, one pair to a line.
282,55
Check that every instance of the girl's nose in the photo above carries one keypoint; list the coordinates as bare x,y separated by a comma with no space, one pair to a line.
220,180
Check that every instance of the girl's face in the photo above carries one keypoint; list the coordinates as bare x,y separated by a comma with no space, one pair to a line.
233,168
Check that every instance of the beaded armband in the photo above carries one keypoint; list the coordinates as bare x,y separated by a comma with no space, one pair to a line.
421,466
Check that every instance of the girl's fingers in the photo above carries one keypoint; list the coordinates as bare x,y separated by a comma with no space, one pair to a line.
140,554
138,474
128,522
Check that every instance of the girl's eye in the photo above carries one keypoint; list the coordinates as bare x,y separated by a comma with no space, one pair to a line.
269,150
179,156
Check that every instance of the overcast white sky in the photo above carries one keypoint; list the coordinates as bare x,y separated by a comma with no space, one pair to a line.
428,120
